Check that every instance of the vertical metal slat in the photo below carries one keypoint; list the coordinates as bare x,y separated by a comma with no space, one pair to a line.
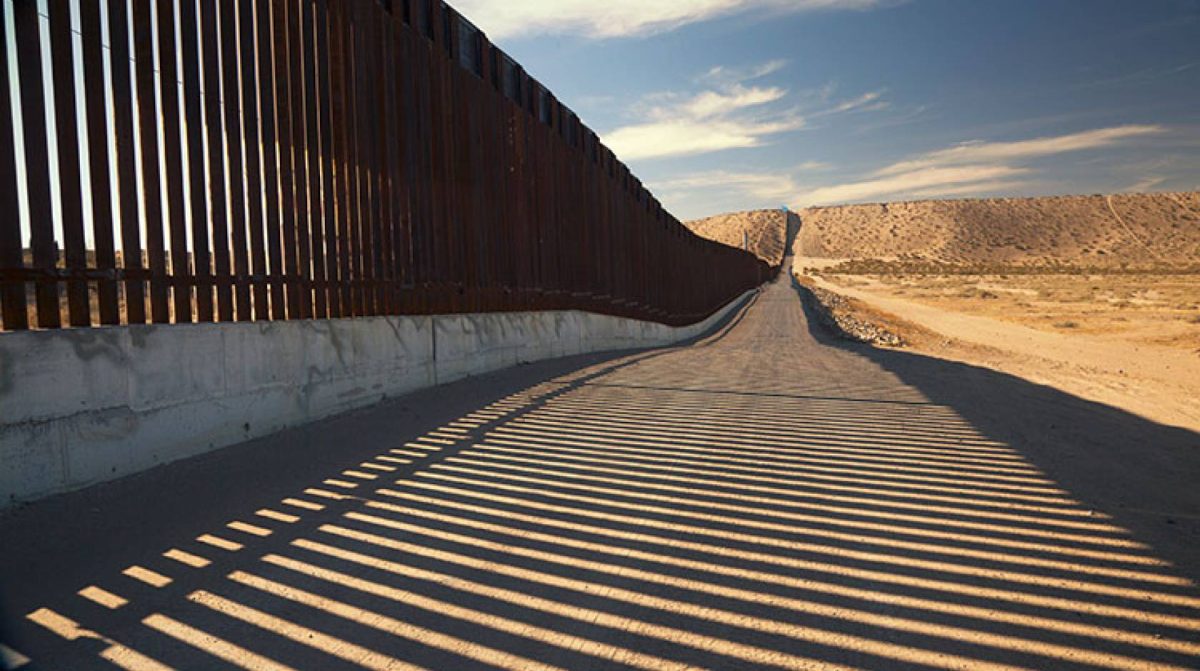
201,277
313,155
125,148
27,27
168,81
214,110
232,106
98,165
12,290
270,158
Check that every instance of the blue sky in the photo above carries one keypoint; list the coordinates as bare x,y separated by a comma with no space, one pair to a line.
723,105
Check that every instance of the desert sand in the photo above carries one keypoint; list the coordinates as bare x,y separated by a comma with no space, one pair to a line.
1156,378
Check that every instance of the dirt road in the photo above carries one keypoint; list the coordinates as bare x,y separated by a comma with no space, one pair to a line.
765,498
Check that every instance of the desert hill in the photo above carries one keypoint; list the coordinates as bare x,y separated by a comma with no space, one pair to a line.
766,231
1135,230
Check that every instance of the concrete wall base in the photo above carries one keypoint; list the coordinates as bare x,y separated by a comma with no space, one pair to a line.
81,406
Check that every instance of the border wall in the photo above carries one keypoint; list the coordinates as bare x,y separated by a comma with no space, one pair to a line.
255,214
315,159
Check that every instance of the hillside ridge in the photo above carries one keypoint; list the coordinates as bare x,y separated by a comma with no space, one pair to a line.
765,231
1096,230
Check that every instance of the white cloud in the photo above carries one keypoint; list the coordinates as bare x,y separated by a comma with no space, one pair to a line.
729,114
974,169
621,18
700,194
976,152
973,189
711,104
867,102
928,181
1144,185
686,137
722,74
970,168
764,186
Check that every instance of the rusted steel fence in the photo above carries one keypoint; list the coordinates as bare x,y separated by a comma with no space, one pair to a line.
293,159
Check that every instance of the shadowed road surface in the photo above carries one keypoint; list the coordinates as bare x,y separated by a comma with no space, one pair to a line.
765,498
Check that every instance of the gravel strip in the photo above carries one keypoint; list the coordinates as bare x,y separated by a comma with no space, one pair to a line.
838,316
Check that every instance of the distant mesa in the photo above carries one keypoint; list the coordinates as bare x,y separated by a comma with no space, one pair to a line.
1159,231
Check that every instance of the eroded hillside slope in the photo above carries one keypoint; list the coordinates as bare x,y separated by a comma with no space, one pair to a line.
764,230
1135,230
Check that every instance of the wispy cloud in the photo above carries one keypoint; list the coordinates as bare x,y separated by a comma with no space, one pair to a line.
1140,77
724,75
867,102
1144,185
761,186
624,18
970,168
928,182
975,189
686,137
730,112
703,193
976,152
1174,170
898,117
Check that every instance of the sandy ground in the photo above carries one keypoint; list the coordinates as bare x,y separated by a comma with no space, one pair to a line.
1135,309
766,498
1124,366
1094,231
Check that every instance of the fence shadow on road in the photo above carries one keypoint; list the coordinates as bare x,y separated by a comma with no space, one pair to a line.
1140,473
720,506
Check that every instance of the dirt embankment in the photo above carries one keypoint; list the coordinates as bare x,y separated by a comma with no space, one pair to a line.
849,318
1160,230
764,232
